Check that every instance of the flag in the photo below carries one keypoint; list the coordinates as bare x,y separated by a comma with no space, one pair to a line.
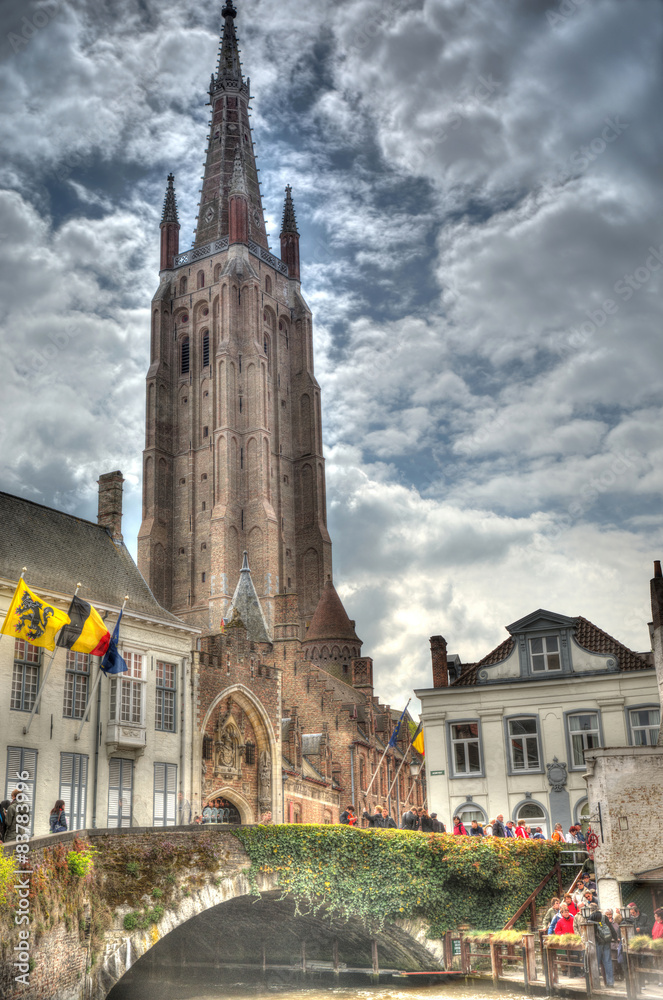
418,740
394,735
112,662
86,632
223,626
29,617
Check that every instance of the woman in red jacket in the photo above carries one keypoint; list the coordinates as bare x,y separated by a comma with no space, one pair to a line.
564,923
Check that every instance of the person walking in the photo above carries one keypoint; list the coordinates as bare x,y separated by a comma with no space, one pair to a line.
459,828
4,806
551,912
605,933
389,821
657,929
439,826
58,817
347,817
411,819
640,921
377,820
498,826
10,818
558,833
426,824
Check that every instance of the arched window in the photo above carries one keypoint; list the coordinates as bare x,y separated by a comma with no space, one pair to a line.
184,356
582,814
268,284
467,812
533,815
205,350
182,286
201,279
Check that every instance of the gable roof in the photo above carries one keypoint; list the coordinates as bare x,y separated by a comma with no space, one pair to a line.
60,551
586,634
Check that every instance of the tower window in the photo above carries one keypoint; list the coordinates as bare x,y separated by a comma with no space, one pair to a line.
201,279
185,400
250,750
208,747
205,432
181,552
203,546
268,284
205,394
184,357
203,478
203,576
182,482
204,507
185,317
285,480
205,351
182,286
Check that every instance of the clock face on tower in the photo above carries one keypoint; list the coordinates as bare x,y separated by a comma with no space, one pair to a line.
209,214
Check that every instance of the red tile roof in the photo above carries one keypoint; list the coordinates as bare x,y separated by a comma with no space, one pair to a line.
587,635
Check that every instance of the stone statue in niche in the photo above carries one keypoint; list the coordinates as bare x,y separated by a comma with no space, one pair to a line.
265,780
227,748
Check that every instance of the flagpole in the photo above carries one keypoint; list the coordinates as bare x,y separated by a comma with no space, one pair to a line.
377,770
26,728
23,572
400,768
96,684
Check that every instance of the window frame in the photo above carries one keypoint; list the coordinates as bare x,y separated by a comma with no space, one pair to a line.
548,827
160,692
74,792
647,706
31,783
547,671
567,716
453,774
511,770
75,673
160,797
117,688
24,663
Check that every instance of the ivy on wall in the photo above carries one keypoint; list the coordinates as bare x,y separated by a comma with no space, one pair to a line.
380,875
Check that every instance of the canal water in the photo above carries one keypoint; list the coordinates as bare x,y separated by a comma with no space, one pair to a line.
234,985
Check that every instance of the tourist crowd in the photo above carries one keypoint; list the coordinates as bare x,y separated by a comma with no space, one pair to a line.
420,819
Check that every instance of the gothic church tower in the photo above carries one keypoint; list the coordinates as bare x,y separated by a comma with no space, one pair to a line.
233,451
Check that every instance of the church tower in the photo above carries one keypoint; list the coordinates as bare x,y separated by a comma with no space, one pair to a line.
233,451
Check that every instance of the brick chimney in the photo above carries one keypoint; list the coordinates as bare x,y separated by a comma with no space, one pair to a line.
438,654
110,504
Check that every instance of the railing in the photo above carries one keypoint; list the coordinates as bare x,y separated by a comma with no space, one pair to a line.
531,899
216,246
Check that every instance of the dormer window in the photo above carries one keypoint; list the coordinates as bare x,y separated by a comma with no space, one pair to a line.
544,654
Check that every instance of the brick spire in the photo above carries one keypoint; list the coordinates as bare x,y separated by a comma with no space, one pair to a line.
330,620
239,203
290,236
230,131
170,227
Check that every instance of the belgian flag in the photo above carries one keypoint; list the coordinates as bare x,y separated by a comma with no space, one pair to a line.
86,632
418,740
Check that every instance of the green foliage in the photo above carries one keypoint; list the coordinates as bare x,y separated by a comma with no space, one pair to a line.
157,893
8,869
642,942
563,941
142,921
80,863
380,875
508,937
133,868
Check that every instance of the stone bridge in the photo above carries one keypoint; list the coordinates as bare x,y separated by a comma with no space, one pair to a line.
253,896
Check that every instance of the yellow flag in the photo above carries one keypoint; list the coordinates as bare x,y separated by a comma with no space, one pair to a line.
31,618
418,741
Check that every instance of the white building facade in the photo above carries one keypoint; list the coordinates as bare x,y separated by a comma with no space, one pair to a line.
508,734
127,764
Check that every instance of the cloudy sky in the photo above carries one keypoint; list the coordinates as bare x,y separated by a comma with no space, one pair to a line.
479,188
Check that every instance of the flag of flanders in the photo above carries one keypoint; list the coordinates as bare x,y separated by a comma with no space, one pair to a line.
86,632
31,618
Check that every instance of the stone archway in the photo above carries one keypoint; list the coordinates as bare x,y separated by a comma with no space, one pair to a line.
267,757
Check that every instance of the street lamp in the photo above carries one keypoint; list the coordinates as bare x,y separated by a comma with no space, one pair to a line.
586,911
415,768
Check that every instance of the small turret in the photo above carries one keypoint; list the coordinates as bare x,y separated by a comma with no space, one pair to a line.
290,236
170,227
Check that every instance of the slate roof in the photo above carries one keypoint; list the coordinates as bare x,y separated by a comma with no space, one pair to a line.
586,634
311,743
245,601
60,551
330,620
